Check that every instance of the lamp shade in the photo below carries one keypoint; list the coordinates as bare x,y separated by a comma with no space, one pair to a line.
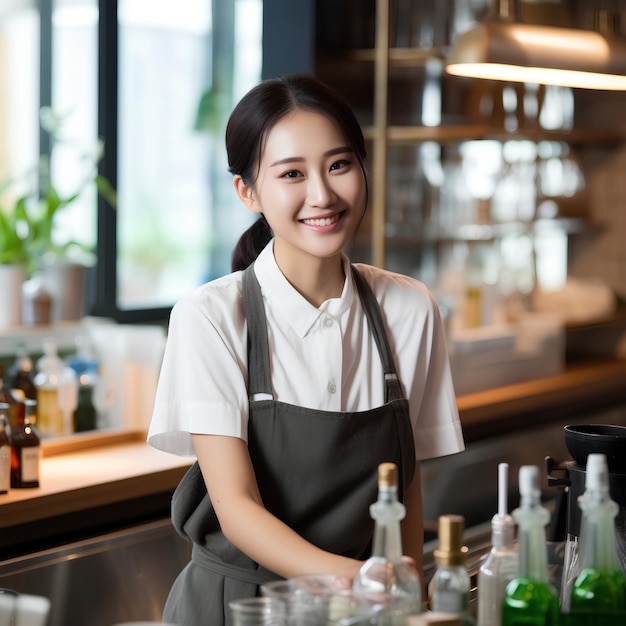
501,49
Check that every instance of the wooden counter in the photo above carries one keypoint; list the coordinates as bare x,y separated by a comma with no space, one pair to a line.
91,478
114,480
91,483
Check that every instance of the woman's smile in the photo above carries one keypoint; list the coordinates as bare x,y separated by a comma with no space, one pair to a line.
322,224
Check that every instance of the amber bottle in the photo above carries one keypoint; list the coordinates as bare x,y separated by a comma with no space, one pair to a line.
25,448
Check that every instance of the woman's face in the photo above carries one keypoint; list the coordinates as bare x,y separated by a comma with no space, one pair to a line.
310,187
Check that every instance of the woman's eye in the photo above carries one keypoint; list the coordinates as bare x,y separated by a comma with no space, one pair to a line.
291,174
337,165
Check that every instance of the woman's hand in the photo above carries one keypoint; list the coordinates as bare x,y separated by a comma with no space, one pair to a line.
410,561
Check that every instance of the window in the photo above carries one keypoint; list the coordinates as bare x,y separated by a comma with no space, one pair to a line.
156,80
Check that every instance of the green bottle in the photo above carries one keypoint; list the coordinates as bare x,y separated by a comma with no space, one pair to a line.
600,587
530,599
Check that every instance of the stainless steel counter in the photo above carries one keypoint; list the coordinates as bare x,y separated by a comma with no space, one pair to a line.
109,579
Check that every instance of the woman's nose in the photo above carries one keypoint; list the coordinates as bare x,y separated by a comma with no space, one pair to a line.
320,191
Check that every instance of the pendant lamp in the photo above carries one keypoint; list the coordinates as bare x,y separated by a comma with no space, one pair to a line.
501,48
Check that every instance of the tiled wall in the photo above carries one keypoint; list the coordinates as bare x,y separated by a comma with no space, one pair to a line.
601,254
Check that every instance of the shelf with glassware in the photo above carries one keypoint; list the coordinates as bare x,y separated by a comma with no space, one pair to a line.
409,107
396,234
477,187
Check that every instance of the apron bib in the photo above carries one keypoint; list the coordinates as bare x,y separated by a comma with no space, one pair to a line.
316,471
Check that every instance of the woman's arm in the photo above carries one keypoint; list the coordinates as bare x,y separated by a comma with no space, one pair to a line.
413,523
246,523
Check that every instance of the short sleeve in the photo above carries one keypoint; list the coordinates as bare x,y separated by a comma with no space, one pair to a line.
202,383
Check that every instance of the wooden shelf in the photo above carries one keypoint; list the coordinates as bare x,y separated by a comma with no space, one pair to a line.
475,132
583,387
399,235
398,57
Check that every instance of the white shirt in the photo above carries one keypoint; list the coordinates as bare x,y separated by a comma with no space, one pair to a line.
322,358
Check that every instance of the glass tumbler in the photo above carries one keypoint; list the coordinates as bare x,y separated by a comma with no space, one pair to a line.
258,611
283,591
320,601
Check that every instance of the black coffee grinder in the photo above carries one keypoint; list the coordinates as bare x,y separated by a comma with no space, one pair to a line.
581,441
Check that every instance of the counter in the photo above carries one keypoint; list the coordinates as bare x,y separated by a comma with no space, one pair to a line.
89,485
92,484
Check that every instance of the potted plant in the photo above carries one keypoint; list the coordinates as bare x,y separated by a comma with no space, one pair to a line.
13,264
27,229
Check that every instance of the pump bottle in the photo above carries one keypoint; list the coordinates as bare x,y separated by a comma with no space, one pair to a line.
599,590
530,599
501,564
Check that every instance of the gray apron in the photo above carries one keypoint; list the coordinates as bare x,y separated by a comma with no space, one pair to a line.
316,471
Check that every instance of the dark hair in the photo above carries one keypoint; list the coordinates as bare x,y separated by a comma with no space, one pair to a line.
251,121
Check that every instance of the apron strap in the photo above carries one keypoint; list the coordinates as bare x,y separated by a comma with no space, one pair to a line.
202,557
259,378
393,390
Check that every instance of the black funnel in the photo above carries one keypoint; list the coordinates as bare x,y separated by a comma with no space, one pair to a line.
604,439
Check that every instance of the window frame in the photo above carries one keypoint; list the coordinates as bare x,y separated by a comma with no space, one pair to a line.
285,26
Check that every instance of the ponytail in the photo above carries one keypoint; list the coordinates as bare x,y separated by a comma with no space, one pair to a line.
250,244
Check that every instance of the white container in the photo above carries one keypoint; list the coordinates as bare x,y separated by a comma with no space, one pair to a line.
12,278
484,360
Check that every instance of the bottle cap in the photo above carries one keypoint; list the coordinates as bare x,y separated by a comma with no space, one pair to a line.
529,481
597,472
387,475
451,550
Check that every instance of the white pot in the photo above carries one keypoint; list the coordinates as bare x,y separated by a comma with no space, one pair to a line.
11,279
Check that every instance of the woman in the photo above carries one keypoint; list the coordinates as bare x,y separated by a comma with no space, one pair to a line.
293,377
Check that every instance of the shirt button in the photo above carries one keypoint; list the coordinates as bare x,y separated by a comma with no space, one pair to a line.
332,388
328,322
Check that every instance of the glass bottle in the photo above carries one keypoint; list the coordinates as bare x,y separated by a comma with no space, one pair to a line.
500,566
85,415
36,302
20,377
85,366
600,587
25,448
385,584
57,392
5,448
530,599
450,586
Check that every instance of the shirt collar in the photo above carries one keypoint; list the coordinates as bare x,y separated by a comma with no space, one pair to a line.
298,312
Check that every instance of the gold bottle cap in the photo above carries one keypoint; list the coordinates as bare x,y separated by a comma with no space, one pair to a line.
451,550
387,475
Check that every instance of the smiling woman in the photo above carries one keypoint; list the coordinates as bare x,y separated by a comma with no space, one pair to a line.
309,183
284,378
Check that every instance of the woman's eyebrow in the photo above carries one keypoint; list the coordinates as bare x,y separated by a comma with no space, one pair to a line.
297,159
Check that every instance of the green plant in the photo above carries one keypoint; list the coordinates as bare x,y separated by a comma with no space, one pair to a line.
13,242
27,228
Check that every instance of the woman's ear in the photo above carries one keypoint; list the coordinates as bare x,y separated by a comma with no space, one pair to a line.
245,193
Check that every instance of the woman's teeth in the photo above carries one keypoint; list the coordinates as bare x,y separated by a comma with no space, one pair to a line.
325,221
